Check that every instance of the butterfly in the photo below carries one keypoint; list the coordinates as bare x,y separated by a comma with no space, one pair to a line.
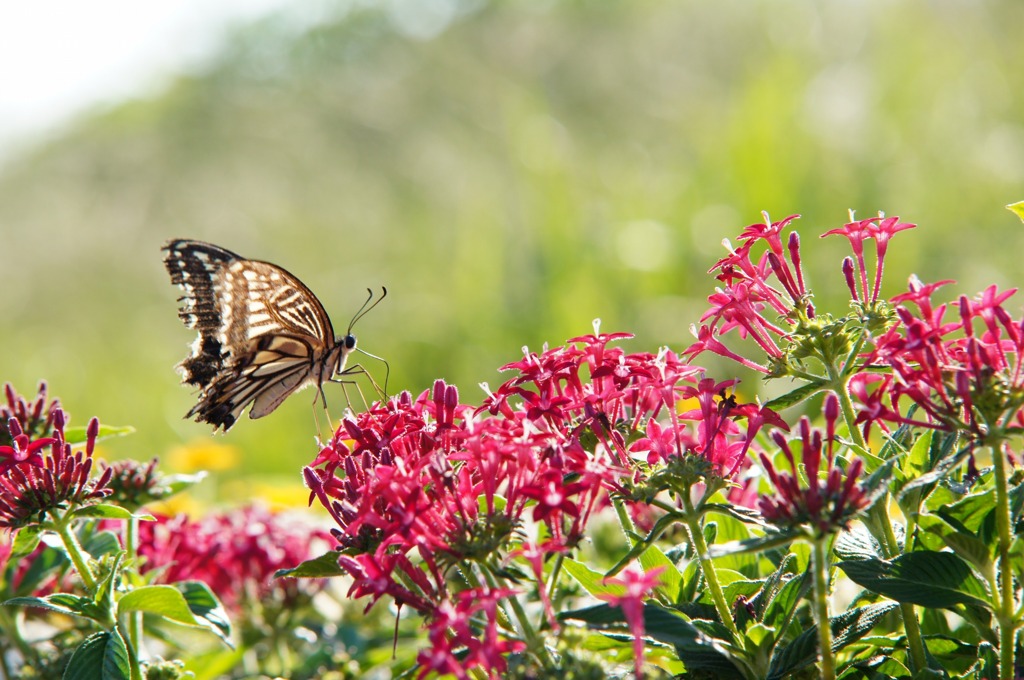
262,333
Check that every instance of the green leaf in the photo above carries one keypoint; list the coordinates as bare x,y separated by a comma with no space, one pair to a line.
107,511
1017,209
45,565
104,596
206,607
695,648
77,435
926,578
796,396
660,526
592,581
846,628
971,513
102,656
915,463
101,543
671,578
165,601
782,605
180,482
324,566
856,544
754,545
25,541
745,515
939,471
661,623
876,485
64,603
966,545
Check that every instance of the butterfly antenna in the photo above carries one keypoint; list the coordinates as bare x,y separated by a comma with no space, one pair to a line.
366,307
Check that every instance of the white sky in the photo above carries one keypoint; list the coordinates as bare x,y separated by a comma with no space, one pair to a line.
59,57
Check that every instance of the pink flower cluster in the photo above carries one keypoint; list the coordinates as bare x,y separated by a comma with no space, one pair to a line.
962,364
43,475
828,498
236,553
417,486
35,418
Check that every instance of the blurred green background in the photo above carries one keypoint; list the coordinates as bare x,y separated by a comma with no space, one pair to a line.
510,171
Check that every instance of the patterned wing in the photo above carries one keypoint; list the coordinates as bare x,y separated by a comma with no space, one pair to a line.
262,333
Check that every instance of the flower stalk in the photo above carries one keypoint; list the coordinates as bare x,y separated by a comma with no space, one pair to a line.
819,566
1008,622
707,566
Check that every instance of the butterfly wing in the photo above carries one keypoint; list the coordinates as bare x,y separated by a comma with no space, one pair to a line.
262,333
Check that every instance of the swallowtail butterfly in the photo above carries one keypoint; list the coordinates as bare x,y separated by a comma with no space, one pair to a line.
262,333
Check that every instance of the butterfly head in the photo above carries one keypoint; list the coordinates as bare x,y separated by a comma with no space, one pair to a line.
342,348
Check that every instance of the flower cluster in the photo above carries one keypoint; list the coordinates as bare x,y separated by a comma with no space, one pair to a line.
456,648
962,365
35,418
828,498
134,484
42,475
417,486
236,553
766,299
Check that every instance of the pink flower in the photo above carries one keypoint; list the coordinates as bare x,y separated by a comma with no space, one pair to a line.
417,485
35,418
823,504
960,369
44,475
881,229
636,586
236,553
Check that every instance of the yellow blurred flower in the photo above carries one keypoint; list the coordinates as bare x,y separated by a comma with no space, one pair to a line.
203,454
177,504
273,494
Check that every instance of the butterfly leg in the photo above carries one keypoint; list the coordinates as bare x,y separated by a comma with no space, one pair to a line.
316,420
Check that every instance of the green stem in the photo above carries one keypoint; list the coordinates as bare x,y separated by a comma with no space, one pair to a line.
534,641
880,526
74,549
820,568
624,520
1004,613
842,389
131,543
707,567
134,668
556,571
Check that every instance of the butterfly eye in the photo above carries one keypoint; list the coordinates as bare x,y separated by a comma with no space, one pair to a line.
350,342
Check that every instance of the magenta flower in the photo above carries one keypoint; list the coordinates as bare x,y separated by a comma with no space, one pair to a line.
419,485
35,418
765,299
43,475
456,644
828,498
636,586
134,484
535,555
964,369
236,553
881,229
